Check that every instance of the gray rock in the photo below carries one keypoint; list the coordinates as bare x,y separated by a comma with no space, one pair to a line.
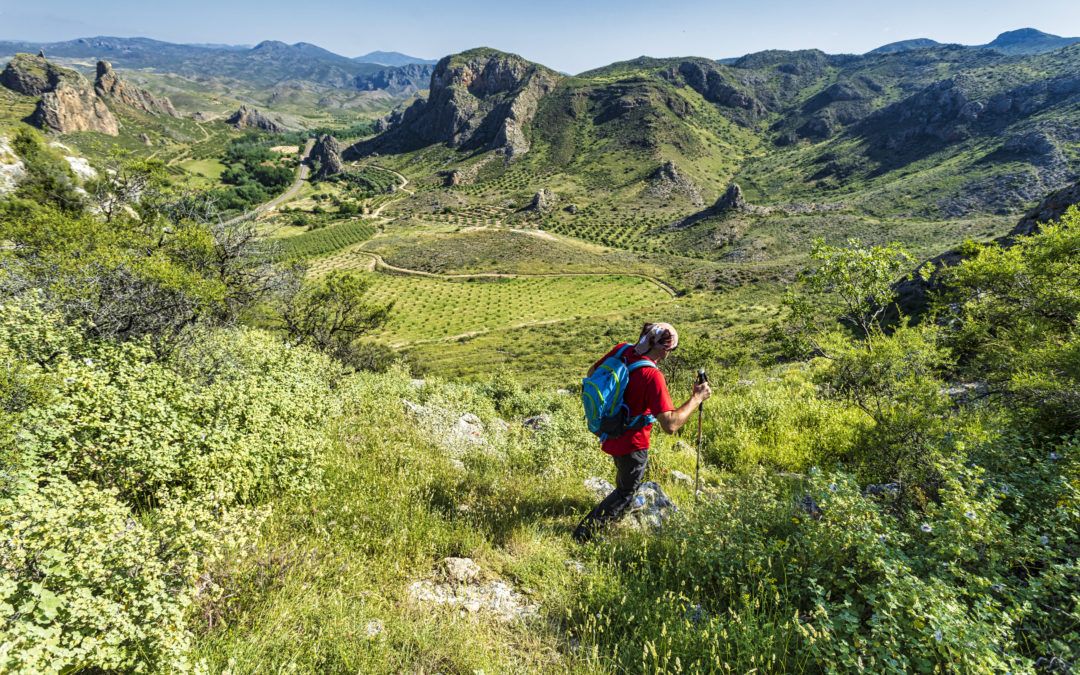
374,628
542,201
680,477
327,154
807,504
108,85
667,181
537,422
882,490
252,118
461,587
460,570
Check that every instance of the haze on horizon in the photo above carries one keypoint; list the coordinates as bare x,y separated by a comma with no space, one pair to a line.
568,35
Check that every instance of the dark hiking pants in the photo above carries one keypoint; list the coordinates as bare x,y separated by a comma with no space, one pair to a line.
629,472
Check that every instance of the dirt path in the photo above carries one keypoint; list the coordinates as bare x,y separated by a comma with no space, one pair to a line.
301,175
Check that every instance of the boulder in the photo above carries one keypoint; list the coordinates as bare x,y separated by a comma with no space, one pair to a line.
108,85
253,118
649,510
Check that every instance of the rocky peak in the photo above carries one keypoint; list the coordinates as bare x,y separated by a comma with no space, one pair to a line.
731,200
109,85
253,118
327,152
481,99
667,180
31,75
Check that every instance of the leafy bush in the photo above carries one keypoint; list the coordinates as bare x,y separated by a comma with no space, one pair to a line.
125,477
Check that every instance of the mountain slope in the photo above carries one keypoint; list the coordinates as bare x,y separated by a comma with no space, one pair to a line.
392,59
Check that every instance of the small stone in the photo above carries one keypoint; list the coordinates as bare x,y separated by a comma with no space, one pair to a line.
680,477
538,422
461,570
373,628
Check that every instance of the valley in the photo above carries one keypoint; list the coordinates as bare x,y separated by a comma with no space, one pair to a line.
292,350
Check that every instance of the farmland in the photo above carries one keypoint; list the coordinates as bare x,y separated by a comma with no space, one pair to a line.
428,309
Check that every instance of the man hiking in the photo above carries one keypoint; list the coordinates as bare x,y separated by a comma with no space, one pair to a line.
646,394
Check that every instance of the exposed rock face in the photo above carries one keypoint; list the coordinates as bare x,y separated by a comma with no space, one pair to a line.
327,152
718,87
649,510
913,295
12,168
460,584
542,202
67,104
252,118
108,85
404,79
667,181
29,75
73,106
731,200
478,100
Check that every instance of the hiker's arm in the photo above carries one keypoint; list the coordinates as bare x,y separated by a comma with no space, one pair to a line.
673,420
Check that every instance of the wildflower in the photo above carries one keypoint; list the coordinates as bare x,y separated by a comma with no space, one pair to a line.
882,538
69,380
1044,540
88,361
937,635
1054,456
925,527
832,487
970,515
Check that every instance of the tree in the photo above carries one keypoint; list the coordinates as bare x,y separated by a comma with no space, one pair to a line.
850,285
331,314
124,183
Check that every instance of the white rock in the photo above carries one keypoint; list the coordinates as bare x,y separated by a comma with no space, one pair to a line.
81,167
599,487
374,628
461,570
12,168
680,477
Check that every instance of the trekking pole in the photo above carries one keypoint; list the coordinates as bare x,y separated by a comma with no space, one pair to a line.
701,379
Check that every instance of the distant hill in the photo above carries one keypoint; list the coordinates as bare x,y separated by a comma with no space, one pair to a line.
393,59
266,63
1024,41
1029,41
905,45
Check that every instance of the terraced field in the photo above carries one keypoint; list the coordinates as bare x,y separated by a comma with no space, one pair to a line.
427,309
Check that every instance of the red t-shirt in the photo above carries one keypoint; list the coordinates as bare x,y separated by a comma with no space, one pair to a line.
647,394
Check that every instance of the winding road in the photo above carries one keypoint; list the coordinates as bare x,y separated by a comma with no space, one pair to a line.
301,175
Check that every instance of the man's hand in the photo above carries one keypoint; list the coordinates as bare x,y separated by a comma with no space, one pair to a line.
672,421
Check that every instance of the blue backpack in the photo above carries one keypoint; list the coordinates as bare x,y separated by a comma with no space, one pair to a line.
602,396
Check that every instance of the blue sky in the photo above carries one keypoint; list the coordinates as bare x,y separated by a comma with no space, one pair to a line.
568,35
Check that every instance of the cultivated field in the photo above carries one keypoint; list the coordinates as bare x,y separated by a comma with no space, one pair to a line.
428,309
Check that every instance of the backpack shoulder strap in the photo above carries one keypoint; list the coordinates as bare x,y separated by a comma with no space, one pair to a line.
622,350
643,363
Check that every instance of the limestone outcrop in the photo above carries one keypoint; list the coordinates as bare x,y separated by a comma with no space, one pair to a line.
68,103
327,154
108,85
253,118
667,181
481,99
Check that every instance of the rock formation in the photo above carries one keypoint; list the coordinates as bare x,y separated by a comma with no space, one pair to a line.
74,107
68,102
542,202
731,200
667,180
913,295
252,118
109,86
481,99
327,154
30,75
397,80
